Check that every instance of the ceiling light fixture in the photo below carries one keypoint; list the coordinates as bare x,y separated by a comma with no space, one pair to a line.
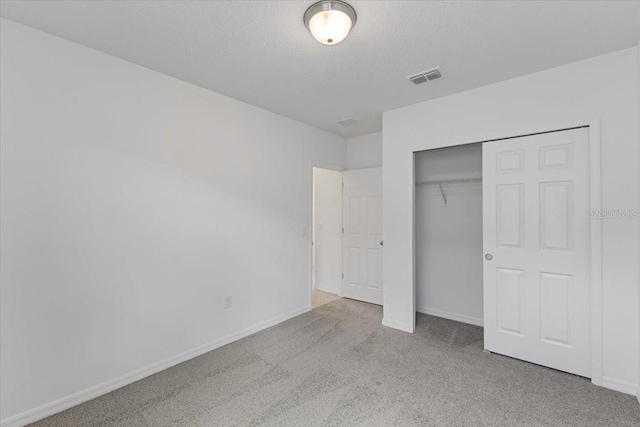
330,21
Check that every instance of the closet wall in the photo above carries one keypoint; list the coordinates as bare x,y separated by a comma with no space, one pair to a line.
449,237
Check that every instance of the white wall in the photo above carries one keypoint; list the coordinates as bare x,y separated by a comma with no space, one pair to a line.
132,204
449,238
638,92
572,93
327,196
364,151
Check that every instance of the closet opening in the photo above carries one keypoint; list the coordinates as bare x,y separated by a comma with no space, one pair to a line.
448,233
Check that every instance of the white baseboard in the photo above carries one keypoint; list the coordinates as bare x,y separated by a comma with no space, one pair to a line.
451,316
397,325
327,290
67,402
620,385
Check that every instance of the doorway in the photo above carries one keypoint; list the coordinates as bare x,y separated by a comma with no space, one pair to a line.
326,237
537,245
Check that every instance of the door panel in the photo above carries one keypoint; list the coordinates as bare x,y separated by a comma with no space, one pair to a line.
536,228
362,221
510,210
510,295
555,215
556,307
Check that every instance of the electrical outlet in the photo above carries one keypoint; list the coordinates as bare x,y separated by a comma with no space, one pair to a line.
228,302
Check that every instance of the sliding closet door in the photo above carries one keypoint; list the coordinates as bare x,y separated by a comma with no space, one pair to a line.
362,238
536,244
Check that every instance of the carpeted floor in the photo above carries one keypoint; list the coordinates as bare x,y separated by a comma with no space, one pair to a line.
338,366
319,298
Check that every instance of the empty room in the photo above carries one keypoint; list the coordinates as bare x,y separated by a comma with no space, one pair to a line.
319,213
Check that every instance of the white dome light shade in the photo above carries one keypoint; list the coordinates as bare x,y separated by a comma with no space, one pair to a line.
330,26
330,21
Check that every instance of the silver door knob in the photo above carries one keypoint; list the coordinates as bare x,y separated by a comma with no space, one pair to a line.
488,257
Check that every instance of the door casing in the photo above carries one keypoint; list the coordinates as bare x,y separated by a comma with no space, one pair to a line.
307,228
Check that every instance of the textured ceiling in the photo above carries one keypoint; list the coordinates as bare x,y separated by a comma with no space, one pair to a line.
261,53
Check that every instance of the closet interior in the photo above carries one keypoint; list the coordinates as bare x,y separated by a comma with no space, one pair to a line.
448,233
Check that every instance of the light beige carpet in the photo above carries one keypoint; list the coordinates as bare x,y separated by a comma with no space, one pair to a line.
338,366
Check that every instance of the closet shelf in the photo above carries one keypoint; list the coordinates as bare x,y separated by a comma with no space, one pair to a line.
451,181
442,182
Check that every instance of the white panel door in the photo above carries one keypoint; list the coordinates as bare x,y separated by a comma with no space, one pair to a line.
536,244
362,238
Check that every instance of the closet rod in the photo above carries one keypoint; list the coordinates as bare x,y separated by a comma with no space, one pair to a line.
451,181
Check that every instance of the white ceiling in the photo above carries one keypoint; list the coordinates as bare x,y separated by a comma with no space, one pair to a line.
261,53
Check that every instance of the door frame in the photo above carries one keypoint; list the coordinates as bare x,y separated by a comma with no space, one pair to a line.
595,226
321,165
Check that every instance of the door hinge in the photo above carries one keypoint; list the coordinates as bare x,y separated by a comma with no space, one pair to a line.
343,275
342,230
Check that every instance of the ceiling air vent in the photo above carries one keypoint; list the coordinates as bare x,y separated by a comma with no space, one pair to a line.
425,76
348,122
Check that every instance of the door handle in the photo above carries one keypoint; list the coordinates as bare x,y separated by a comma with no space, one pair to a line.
381,242
488,257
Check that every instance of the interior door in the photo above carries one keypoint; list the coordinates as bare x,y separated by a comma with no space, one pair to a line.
536,244
362,238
